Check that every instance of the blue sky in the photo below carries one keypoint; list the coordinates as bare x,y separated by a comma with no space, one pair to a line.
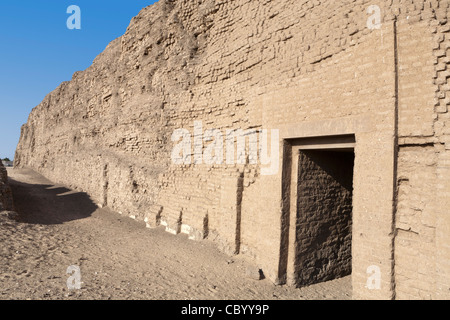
38,51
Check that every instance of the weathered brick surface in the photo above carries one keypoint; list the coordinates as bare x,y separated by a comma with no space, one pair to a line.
6,199
307,68
324,216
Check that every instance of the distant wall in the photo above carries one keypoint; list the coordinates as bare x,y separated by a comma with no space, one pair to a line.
6,199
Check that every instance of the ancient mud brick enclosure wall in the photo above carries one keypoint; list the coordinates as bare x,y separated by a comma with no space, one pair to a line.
315,72
6,199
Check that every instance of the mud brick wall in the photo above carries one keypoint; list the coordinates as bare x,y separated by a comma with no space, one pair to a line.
305,68
6,199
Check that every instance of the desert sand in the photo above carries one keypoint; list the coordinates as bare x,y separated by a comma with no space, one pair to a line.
118,257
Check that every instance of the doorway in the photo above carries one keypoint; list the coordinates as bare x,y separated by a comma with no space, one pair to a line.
324,215
317,217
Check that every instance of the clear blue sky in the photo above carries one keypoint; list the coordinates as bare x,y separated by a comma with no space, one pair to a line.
38,51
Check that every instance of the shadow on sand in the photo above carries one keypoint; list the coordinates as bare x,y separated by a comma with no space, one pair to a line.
47,204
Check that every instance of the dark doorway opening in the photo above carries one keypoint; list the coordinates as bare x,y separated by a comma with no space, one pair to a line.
324,215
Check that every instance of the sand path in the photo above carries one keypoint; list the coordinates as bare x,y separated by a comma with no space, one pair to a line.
118,257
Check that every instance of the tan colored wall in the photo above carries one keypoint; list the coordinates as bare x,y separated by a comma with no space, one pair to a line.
306,68
6,199
422,235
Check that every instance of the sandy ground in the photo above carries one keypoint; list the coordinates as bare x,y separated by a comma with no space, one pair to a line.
118,257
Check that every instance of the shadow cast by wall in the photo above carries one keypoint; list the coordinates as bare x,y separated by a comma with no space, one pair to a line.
47,204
